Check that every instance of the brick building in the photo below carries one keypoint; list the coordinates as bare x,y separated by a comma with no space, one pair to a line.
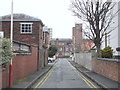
79,43
87,44
26,29
28,36
77,37
64,46
47,35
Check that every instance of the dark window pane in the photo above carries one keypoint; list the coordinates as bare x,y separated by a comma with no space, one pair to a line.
22,30
26,27
25,30
22,25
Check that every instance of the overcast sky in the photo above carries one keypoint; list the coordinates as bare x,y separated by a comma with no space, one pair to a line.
54,14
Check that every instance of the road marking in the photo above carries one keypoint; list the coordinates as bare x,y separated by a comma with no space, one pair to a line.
88,82
44,78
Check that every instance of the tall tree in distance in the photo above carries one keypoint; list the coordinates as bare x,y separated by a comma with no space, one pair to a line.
98,15
52,50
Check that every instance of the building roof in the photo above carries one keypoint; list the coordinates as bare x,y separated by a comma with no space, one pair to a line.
19,17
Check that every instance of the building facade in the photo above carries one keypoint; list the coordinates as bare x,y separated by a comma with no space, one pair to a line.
28,45
64,46
79,42
26,29
113,39
77,37
47,35
87,44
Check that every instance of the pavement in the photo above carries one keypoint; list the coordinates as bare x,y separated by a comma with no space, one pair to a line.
29,80
102,81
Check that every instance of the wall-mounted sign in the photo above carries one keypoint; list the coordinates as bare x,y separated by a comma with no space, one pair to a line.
45,29
1,34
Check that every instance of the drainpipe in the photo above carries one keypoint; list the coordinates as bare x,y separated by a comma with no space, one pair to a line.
38,58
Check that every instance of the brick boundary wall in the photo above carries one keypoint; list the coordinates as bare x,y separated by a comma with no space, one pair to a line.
84,59
24,65
107,68
5,75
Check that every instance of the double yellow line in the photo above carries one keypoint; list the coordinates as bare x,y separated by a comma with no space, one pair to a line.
44,79
88,82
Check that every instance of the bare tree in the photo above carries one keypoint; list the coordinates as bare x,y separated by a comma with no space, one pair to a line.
98,15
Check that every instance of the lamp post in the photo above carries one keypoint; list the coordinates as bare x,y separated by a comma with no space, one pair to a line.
74,48
11,38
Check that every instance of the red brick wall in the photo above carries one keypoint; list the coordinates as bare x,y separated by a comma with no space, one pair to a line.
110,69
77,36
46,57
5,75
24,65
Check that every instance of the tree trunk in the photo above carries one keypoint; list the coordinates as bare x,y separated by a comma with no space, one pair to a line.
98,44
98,49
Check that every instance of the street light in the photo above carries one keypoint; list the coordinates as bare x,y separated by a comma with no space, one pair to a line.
11,38
74,48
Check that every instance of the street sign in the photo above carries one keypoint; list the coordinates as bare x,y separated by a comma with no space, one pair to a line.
45,29
1,34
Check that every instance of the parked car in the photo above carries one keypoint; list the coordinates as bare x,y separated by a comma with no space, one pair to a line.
51,59
71,56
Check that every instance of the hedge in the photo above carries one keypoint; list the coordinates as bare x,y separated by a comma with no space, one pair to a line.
5,50
107,52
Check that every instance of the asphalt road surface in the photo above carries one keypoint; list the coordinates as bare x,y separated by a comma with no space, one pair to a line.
64,75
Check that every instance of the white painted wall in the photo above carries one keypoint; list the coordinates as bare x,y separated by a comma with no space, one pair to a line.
84,59
119,27
114,39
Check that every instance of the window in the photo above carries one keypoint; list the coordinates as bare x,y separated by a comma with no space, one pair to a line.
67,54
21,48
25,48
70,49
61,43
67,49
26,28
16,46
60,49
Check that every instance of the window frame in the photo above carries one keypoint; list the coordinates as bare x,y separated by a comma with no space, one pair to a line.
28,27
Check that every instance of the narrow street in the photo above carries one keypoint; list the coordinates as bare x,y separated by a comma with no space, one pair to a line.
64,75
